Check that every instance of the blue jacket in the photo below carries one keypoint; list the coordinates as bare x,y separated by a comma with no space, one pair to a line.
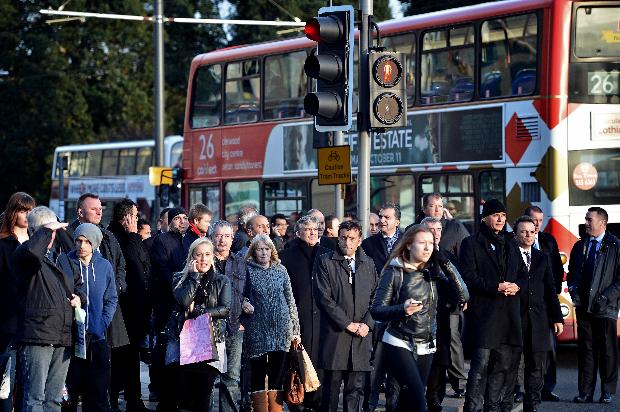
100,286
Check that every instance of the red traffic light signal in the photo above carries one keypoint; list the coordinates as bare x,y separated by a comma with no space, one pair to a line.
332,67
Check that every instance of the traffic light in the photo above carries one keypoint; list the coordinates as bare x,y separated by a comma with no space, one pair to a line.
332,67
388,96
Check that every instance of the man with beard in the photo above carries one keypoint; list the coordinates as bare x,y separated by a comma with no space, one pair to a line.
299,259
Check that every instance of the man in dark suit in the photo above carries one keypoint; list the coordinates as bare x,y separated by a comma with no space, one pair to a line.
378,247
594,286
490,265
540,314
345,281
546,243
299,260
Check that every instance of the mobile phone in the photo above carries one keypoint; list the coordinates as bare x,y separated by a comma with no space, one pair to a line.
416,302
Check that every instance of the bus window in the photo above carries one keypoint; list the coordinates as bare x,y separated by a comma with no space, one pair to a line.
447,66
93,163
284,196
322,197
405,43
127,162
398,189
109,162
176,153
594,177
286,84
207,97
210,197
242,92
508,58
76,164
144,160
457,191
595,31
239,194
492,186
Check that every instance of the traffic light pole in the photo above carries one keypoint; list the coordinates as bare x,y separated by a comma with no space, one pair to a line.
363,168
339,189
158,37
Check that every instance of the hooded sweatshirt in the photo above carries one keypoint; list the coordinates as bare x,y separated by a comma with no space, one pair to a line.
100,287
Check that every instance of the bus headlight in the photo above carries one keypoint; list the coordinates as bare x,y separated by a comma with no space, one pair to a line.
565,310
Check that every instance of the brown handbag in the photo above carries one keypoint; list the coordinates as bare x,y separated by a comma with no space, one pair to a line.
293,388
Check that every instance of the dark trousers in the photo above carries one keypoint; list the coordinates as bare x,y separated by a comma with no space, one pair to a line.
126,374
377,377
597,350
551,374
436,385
456,370
411,371
90,378
187,386
353,395
270,365
487,381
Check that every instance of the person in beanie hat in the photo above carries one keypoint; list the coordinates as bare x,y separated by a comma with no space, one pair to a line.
174,212
491,207
490,263
90,377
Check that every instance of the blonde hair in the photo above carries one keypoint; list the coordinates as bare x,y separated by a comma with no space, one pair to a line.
190,255
400,250
267,241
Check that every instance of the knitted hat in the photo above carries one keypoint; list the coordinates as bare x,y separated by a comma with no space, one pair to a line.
492,206
175,211
91,232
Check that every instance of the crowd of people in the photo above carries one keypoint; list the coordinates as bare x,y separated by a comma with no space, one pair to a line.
378,310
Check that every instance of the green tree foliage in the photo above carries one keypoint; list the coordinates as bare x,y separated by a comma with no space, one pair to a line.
285,10
91,81
426,6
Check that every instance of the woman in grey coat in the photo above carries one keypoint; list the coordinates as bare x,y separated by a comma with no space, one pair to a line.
271,322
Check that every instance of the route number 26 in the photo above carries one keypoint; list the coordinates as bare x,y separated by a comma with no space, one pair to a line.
207,149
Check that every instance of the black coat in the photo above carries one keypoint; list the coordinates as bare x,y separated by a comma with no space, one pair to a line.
299,261
452,234
8,288
605,279
46,317
376,249
548,245
341,304
540,307
136,303
495,318
167,258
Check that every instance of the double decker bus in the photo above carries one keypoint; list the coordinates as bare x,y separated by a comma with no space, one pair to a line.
113,171
516,100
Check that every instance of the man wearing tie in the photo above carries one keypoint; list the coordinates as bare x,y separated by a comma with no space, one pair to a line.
594,285
546,243
540,308
345,281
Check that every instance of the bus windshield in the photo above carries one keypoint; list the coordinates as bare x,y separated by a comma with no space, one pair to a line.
597,32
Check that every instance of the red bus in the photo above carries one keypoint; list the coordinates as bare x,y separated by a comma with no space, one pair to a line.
516,100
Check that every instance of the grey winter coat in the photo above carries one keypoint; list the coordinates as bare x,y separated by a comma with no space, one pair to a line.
274,322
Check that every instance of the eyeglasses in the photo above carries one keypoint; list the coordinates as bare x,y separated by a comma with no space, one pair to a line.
280,224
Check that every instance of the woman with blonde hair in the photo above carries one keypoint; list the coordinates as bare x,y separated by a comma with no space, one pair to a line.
270,320
197,289
407,298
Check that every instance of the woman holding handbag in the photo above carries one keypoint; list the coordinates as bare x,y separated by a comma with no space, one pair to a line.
271,323
407,298
198,290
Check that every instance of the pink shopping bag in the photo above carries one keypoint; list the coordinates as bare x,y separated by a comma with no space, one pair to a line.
196,341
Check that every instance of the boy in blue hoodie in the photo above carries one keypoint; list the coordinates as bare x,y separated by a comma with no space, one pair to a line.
90,377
